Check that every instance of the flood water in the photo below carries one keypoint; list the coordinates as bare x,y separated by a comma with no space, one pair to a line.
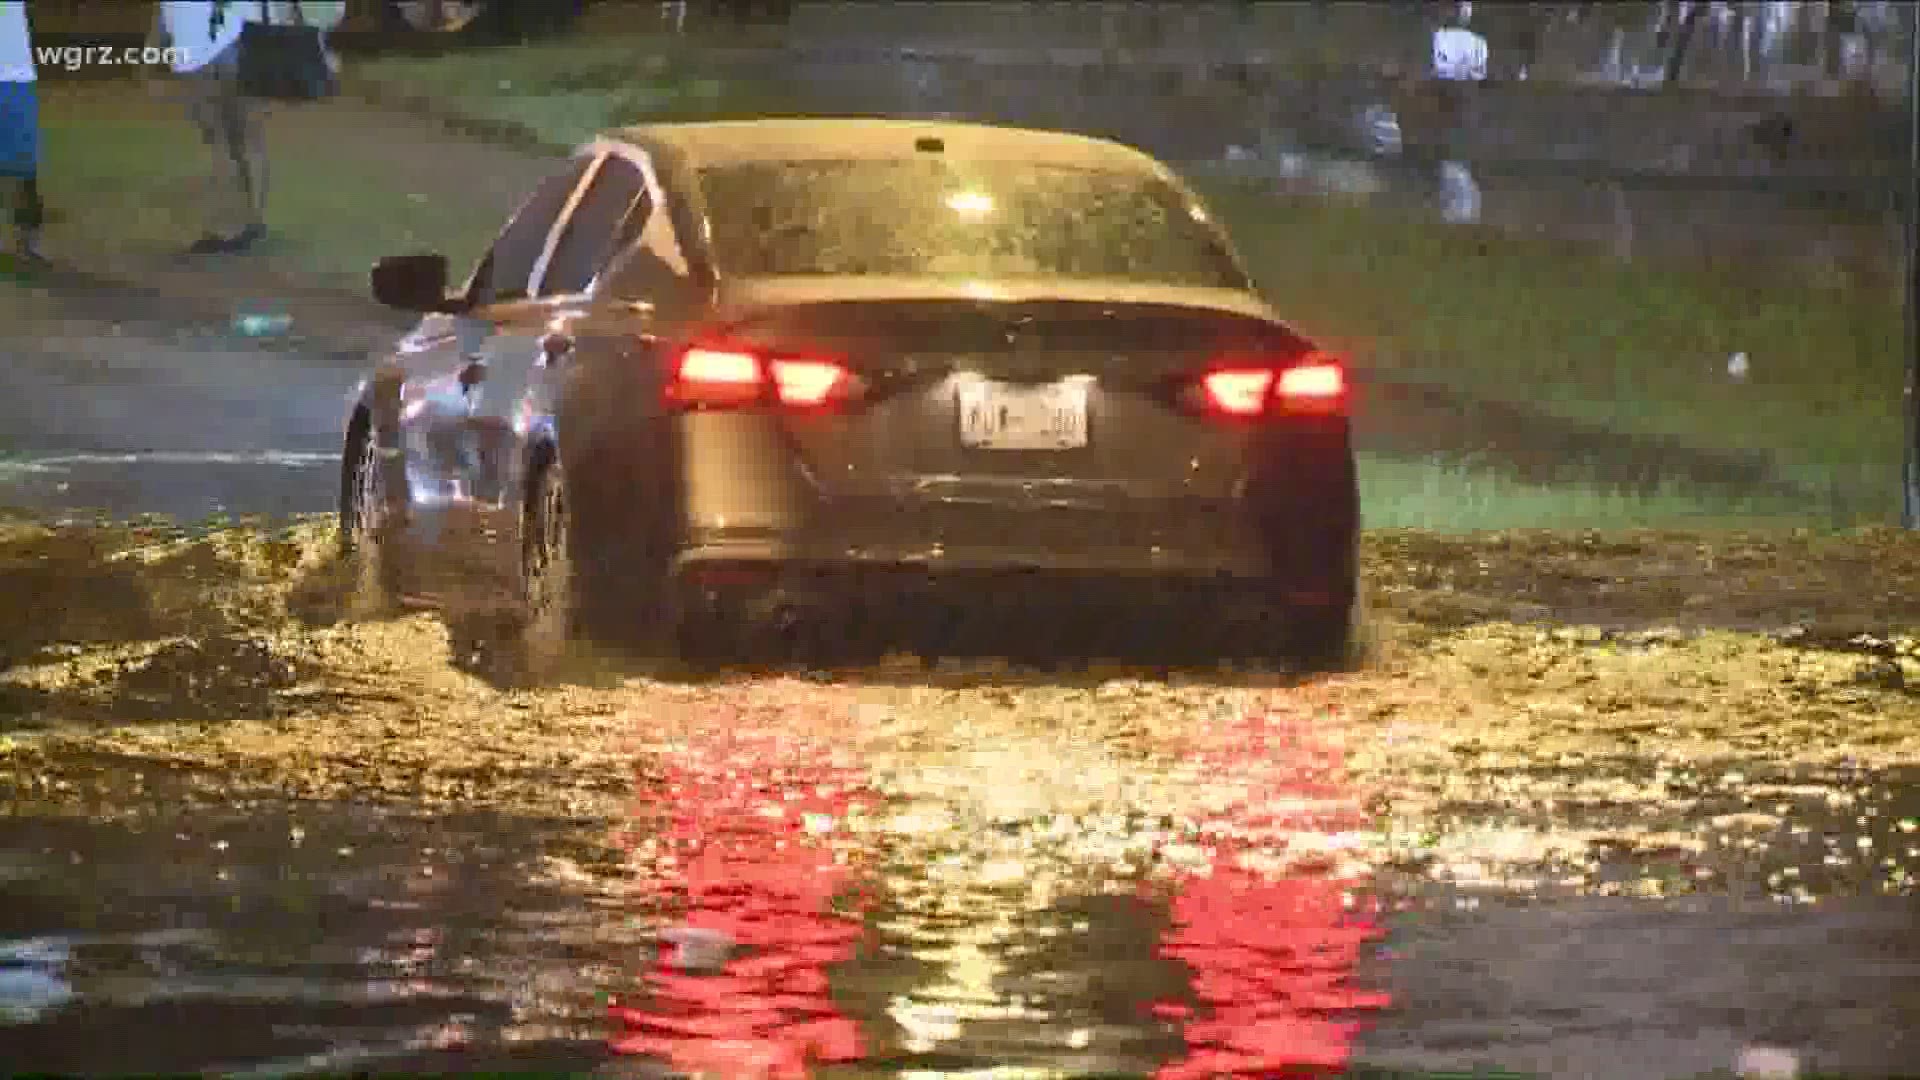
803,890
270,938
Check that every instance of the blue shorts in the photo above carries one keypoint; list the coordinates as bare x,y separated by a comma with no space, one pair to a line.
19,129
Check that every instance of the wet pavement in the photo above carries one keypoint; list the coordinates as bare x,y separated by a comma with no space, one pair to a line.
165,412
272,938
182,485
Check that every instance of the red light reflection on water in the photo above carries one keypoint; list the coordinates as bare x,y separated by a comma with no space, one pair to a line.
749,858
1272,950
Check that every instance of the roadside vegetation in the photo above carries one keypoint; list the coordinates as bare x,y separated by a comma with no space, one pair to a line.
1638,347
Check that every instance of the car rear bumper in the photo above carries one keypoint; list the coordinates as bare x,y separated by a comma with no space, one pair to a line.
769,568
940,561
985,604
1299,543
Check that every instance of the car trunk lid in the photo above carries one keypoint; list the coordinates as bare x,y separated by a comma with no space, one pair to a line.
927,352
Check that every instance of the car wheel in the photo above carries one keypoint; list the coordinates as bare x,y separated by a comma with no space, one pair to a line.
365,518
362,493
548,570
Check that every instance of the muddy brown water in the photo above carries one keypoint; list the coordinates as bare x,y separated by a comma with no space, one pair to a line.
196,936
1003,923
316,845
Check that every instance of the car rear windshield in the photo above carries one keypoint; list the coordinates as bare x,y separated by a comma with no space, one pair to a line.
931,216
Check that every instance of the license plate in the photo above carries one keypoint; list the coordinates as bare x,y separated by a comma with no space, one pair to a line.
1004,416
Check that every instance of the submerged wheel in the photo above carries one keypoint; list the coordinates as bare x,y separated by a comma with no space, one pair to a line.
363,489
1321,622
366,518
547,569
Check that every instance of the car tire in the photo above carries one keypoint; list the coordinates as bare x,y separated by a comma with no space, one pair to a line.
366,515
567,597
358,481
549,577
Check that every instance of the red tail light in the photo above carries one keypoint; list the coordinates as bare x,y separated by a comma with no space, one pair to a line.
1316,385
712,378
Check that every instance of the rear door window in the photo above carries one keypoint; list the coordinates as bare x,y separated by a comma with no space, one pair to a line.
606,219
505,271
652,267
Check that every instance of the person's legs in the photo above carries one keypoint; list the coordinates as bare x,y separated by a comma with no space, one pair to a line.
29,214
231,126
1459,194
250,137
203,106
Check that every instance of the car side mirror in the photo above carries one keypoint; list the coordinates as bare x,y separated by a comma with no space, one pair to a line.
415,283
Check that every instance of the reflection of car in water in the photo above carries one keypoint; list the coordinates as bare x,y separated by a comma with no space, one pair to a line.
1268,919
822,370
752,855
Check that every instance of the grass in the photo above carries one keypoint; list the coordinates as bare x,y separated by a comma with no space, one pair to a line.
1452,498
127,174
1642,348
571,92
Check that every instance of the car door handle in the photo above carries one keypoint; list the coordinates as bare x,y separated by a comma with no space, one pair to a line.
556,347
